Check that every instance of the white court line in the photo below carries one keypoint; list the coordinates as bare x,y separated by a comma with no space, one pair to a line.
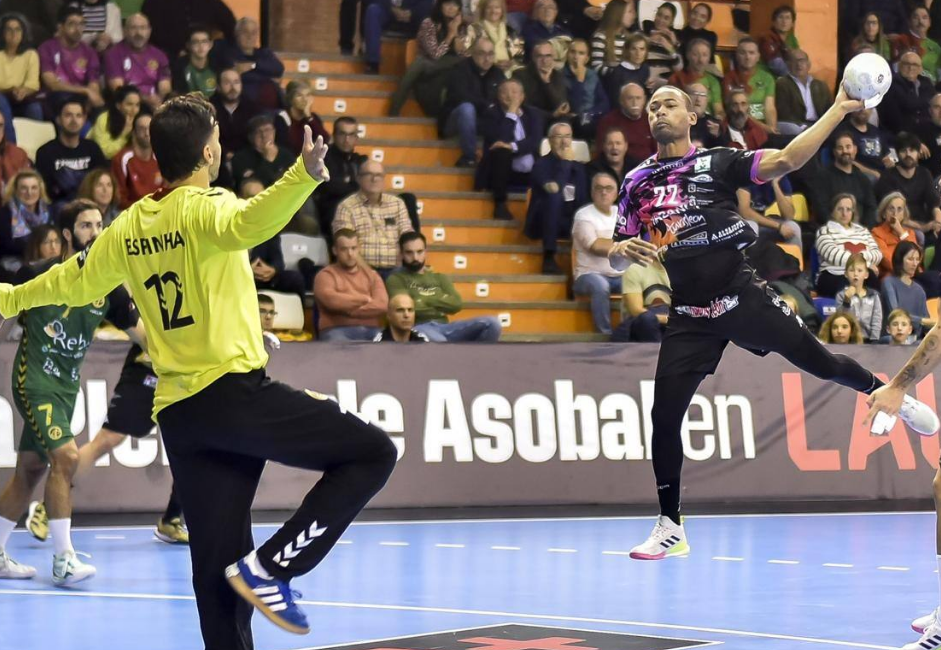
110,537
893,568
505,548
449,546
783,562
838,565
344,541
615,552
725,558
471,612
393,543
552,519
562,550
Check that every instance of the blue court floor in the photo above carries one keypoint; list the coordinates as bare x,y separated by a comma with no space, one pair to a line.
760,582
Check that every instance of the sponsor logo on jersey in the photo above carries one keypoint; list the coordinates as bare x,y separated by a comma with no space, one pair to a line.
702,178
699,239
703,164
730,232
714,309
55,433
154,244
686,222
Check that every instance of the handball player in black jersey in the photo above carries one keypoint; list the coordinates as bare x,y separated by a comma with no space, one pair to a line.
679,206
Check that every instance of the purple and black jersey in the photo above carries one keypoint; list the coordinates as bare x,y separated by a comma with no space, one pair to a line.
687,207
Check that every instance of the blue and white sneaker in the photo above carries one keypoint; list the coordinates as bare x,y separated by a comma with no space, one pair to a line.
270,596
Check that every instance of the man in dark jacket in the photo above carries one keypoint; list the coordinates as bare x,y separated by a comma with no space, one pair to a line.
559,189
343,163
260,67
172,20
472,87
544,85
794,115
906,102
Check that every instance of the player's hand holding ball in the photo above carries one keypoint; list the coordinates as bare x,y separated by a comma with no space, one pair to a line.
313,154
866,80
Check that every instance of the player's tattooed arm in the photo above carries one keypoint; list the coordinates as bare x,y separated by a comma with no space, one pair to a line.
926,357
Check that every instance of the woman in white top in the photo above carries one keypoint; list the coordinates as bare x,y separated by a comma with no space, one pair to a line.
840,238
607,44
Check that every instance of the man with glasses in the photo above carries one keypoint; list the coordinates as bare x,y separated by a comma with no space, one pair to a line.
591,239
192,72
343,162
559,189
544,85
263,158
707,131
906,102
377,218
800,99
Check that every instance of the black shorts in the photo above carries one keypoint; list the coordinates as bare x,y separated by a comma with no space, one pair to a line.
751,315
132,402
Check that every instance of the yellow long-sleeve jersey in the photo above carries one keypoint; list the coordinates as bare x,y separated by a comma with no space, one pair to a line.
183,255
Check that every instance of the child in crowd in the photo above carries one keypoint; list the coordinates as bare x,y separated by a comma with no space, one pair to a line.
863,303
900,328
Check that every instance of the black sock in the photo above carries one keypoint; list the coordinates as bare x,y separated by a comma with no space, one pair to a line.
174,509
669,496
876,385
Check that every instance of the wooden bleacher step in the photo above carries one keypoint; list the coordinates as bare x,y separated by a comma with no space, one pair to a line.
467,205
429,179
537,317
499,260
391,128
473,231
358,103
511,288
339,82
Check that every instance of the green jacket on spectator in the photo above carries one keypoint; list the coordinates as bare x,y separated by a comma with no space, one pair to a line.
434,295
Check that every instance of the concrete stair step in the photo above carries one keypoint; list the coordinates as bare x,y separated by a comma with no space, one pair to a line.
414,153
467,205
391,128
473,231
429,179
357,103
498,260
537,317
511,288
340,82
321,63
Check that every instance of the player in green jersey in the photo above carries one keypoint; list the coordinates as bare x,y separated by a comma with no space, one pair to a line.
45,385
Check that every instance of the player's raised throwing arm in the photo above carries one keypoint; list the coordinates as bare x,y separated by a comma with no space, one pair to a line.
775,163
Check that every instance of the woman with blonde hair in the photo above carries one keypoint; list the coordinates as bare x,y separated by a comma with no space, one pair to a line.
607,43
841,328
507,43
25,206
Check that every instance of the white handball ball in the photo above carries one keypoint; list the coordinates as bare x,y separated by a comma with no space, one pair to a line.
867,77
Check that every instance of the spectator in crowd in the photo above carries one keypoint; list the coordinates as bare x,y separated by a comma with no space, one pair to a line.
900,291
436,299
401,322
841,328
135,61
12,158
472,87
290,122
233,112
135,168
700,15
837,240
343,163
581,17
65,161
873,145
916,185
558,190
645,303
19,71
543,26
172,20
756,82
441,44
41,16
755,199
518,12
508,45
612,159
608,42
893,17
543,85
633,69
350,296
592,235
260,67
916,40
843,177
68,66
698,58
780,40
378,219
800,100
872,35
588,100
25,207
100,187
263,159
900,329
664,47
102,24
891,231
929,132
743,130
348,10
512,135
266,312
906,101
44,243
112,128
708,131
403,16
861,302
631,119
193,71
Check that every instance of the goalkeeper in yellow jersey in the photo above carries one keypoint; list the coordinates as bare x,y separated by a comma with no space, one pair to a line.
182,252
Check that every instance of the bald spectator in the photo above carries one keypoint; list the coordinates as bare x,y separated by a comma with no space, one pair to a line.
558,189
260,67
708,131
135,61
916,40
757,83
233,112
592,234
378,219
906,102
799,98
614,158
631,118
698,59
744,131
173,19
401,318
544,85
68,66
263,159
351,297
135,168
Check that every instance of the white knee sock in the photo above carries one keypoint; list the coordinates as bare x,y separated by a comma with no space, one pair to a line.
61,531
7,526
